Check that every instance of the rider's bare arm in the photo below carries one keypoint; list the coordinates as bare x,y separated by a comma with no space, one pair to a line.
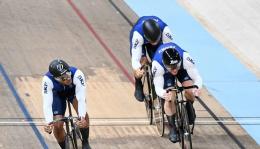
47,95
189,65
79,81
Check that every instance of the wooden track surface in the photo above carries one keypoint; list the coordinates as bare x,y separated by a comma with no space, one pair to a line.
35,32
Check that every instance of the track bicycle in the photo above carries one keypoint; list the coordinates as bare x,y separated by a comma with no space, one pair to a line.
73,138
182,121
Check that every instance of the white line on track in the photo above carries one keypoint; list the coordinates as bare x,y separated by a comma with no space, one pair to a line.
104,122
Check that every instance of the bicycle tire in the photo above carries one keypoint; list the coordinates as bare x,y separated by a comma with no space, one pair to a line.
178,121
69,142
78,137
75,143
186,141
149,110
158,113
148,99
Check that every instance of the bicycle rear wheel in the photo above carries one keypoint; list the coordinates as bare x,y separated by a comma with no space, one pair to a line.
186,140
158,115
149,110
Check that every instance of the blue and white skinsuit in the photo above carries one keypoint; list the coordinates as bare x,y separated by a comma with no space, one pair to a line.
163,78
55,94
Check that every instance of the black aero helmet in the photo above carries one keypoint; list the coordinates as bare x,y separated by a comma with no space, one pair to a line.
58,67
152,31
171,58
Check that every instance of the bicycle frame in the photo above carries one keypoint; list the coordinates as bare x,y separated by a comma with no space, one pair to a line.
71,129
182,122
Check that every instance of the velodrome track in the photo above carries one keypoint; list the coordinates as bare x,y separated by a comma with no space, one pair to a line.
93,36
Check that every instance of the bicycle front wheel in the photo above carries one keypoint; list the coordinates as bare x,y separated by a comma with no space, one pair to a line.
158,115
148,98
186,141
79,138
69,142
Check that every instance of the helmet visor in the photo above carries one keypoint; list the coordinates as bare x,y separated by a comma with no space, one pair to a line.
173,66
66,76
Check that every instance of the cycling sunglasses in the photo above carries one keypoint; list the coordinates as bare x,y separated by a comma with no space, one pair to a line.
64,77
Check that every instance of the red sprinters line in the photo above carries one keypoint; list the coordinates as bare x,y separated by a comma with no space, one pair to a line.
108,50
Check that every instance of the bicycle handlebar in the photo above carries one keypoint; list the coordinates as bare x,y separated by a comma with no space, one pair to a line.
145,65
64,119
181,88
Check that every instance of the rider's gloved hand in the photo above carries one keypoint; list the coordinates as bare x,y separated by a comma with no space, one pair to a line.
139,72
168,96
82,123
48,128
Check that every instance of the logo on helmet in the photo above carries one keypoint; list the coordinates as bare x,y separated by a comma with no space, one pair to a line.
173,62
60,67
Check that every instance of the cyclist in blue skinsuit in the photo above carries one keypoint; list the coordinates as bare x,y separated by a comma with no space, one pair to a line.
170,62
148,33
60,83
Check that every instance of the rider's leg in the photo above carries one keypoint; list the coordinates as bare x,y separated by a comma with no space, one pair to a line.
139,94
59,131
186,80
190,99
85,134
170,108
170,111
84,131
58,109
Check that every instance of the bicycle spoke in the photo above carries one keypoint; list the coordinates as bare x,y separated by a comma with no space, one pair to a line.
148,108
158,116
187,142
69,142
